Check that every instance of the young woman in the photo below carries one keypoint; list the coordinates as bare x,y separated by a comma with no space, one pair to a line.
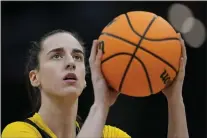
57,72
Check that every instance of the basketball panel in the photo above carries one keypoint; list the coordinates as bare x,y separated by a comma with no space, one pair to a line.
135,83
168,50
160,74
114,46
121,28
113,69
140,20
161,29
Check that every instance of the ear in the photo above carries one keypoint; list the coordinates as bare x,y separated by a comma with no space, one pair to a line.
34,78
85,84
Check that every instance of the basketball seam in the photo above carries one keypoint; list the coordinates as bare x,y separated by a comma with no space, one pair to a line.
142,48
117,54
138,45
167,63
129,54
151,39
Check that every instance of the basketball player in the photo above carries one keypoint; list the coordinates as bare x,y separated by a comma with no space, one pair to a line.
56,69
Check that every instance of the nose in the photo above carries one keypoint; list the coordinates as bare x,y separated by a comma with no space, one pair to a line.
70,64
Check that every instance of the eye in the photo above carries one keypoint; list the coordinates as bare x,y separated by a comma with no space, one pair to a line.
57,56
78,57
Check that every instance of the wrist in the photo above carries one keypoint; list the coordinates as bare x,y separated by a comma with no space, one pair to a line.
175,100
100,106
101,103
174,96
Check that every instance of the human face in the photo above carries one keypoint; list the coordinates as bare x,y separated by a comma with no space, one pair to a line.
61,55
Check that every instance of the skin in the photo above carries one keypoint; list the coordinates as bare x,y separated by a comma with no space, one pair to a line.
177,126
60,101
61,54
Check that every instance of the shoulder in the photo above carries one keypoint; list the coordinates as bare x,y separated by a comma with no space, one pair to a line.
111,132
20,129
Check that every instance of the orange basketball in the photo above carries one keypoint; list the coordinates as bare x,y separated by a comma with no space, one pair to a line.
141,53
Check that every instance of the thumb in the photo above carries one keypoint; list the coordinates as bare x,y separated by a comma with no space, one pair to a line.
181,69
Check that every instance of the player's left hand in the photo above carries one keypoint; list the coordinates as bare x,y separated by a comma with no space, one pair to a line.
174,91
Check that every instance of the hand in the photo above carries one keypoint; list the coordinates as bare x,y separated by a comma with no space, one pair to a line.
174,91
104,95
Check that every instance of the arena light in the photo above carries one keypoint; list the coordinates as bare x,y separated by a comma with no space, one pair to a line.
177,14
197,35
183,20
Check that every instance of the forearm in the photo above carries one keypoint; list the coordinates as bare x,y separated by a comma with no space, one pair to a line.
94,124
177,124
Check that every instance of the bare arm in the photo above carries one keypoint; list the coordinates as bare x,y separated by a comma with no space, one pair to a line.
177,124
94,124
104,97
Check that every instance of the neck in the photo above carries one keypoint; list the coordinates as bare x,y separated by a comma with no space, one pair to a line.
60,115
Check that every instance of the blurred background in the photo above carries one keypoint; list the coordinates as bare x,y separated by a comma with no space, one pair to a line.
23,22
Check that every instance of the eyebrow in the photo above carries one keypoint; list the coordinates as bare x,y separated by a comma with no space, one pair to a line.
61,49
75,50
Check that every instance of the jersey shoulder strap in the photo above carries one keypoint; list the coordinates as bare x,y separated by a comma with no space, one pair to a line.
42,132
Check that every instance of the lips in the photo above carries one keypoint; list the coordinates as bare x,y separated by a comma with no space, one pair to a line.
70,77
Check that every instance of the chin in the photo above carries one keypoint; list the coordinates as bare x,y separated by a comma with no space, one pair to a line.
70,91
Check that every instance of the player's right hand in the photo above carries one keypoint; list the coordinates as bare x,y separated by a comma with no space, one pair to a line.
104,95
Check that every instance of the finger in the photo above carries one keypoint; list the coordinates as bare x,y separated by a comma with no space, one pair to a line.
98,56
184,55
183,49
93,51
96,65
182,64
181,72
179,36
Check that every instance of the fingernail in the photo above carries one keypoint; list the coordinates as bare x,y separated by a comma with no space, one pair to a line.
179,35
100,45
